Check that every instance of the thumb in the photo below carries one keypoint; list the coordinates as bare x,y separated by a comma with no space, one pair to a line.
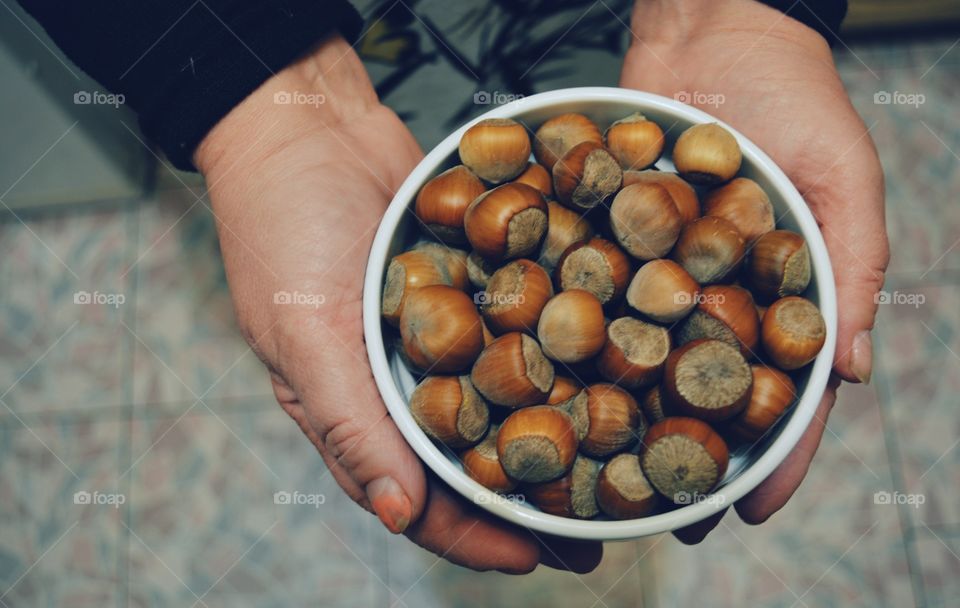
328,372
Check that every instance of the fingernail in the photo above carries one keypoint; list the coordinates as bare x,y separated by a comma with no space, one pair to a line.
390,503
861,357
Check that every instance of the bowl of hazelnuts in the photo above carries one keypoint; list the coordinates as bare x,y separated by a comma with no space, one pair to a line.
600,313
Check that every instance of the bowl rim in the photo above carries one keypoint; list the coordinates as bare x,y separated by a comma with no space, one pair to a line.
537,521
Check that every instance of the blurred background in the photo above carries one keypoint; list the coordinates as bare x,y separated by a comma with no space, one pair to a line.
140,445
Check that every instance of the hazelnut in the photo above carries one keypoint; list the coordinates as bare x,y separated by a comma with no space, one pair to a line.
441,329
444,199
449,410
597,266
663,291
707,154
406,272
634,353
773,393
607,419
652,405
634,141
573,495
537,177
726,313
496,149
488,336
571,327
744,204
506,222
683,458
645,220
710,249
779,265
453,260
479,270
513,372
564,228
563,388
682,193
537,444
707,379
514,297
623,491
793,332
585,176
482,464
556,136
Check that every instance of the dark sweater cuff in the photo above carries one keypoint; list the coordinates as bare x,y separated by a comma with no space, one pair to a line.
824,16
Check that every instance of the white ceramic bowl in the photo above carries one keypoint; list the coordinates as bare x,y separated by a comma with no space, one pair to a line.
398,231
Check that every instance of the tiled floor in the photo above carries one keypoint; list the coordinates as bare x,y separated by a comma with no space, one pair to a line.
154,400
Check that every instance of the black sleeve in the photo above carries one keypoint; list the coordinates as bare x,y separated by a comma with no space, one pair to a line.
824,16
183,64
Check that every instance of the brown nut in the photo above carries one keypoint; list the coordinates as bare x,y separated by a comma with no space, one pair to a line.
597,266
623,491
565,228
585,176
479,270
537,177
707,379
726,313
513,372
444,199
634,141
441,329
793,332
773,393
563,389
571,327
482,464
506,222
573,495
683,458
707,154
652,405
537,444
779,265
744,204
406,272
683,194
607,419
514,297
453,260
556,136
634,354
449,410
496,149
711,249
663,291
645,220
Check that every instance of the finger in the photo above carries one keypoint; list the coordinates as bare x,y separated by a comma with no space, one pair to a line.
465,535
848,203
695,533
577,556
326,367
774,492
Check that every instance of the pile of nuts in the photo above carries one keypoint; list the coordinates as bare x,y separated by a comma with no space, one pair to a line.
592,333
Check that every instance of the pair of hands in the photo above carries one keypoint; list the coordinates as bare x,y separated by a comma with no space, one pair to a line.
298,191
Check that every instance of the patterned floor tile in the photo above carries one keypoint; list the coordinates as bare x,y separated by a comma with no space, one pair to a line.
62,308
188,344
61,511
239,508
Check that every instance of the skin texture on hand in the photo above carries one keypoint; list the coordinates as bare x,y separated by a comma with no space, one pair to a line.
298,190
774,80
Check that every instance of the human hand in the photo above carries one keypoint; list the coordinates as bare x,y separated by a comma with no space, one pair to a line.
298,190
773,79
